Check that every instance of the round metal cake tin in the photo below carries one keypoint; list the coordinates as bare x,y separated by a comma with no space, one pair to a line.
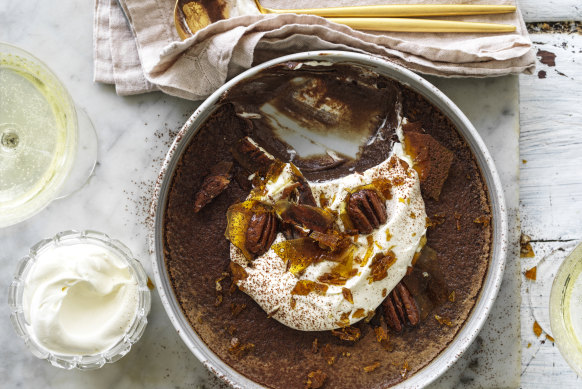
494,274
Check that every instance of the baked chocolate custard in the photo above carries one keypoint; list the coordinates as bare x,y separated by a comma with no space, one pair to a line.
326,227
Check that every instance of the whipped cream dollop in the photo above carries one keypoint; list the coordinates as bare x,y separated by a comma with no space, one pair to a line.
270,283
79,299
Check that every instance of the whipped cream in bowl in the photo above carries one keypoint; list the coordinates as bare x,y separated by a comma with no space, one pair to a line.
79,300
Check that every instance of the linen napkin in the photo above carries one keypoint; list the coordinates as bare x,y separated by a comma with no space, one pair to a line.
137,48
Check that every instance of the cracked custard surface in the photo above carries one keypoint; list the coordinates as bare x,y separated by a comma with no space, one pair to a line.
444,282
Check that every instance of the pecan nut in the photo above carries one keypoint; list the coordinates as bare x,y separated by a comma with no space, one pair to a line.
400,309
213,185
251,156
261,232
366,210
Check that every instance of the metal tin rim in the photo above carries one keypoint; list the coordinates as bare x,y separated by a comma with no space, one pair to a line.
494,275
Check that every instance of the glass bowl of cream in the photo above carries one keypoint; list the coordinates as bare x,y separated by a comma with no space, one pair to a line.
79,300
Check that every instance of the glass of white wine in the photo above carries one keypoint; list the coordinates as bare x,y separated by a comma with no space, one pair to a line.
48,148
566,309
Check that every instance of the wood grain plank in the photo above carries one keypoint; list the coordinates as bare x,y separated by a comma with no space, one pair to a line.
550,10
551,141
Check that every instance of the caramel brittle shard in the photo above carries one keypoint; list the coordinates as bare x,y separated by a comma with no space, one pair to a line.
350,334
381,334
526,251
537,329
315,379
531,274
331,241
432,160
304,287
380,265
372,367
238,349
314,347
443,320
347,293
213,185
328,354
251,156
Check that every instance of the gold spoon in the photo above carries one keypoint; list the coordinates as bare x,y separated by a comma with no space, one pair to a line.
191,16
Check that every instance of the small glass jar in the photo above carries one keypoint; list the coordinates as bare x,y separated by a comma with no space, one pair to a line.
566,309
69,361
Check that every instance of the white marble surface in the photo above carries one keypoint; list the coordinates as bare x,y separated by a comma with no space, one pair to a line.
134,133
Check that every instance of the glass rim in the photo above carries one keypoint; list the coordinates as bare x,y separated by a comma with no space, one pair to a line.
88,361
65,153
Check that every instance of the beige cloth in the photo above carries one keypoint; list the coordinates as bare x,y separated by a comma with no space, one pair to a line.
147,54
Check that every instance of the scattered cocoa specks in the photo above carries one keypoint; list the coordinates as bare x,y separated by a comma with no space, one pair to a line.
525,251
372,367
531,273
537,329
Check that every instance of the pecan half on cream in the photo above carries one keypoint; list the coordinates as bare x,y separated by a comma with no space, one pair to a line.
400,309
366,210
261,232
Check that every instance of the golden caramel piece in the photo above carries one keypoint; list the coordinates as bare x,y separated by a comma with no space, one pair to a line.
315,379
238,349
380,334
380,265
304,287
372,367
537,329
443,320
348,295
531,274
404,370
350,334
238,272
526,251
484,219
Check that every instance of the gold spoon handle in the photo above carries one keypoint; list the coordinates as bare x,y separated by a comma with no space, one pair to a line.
420,25
397,10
